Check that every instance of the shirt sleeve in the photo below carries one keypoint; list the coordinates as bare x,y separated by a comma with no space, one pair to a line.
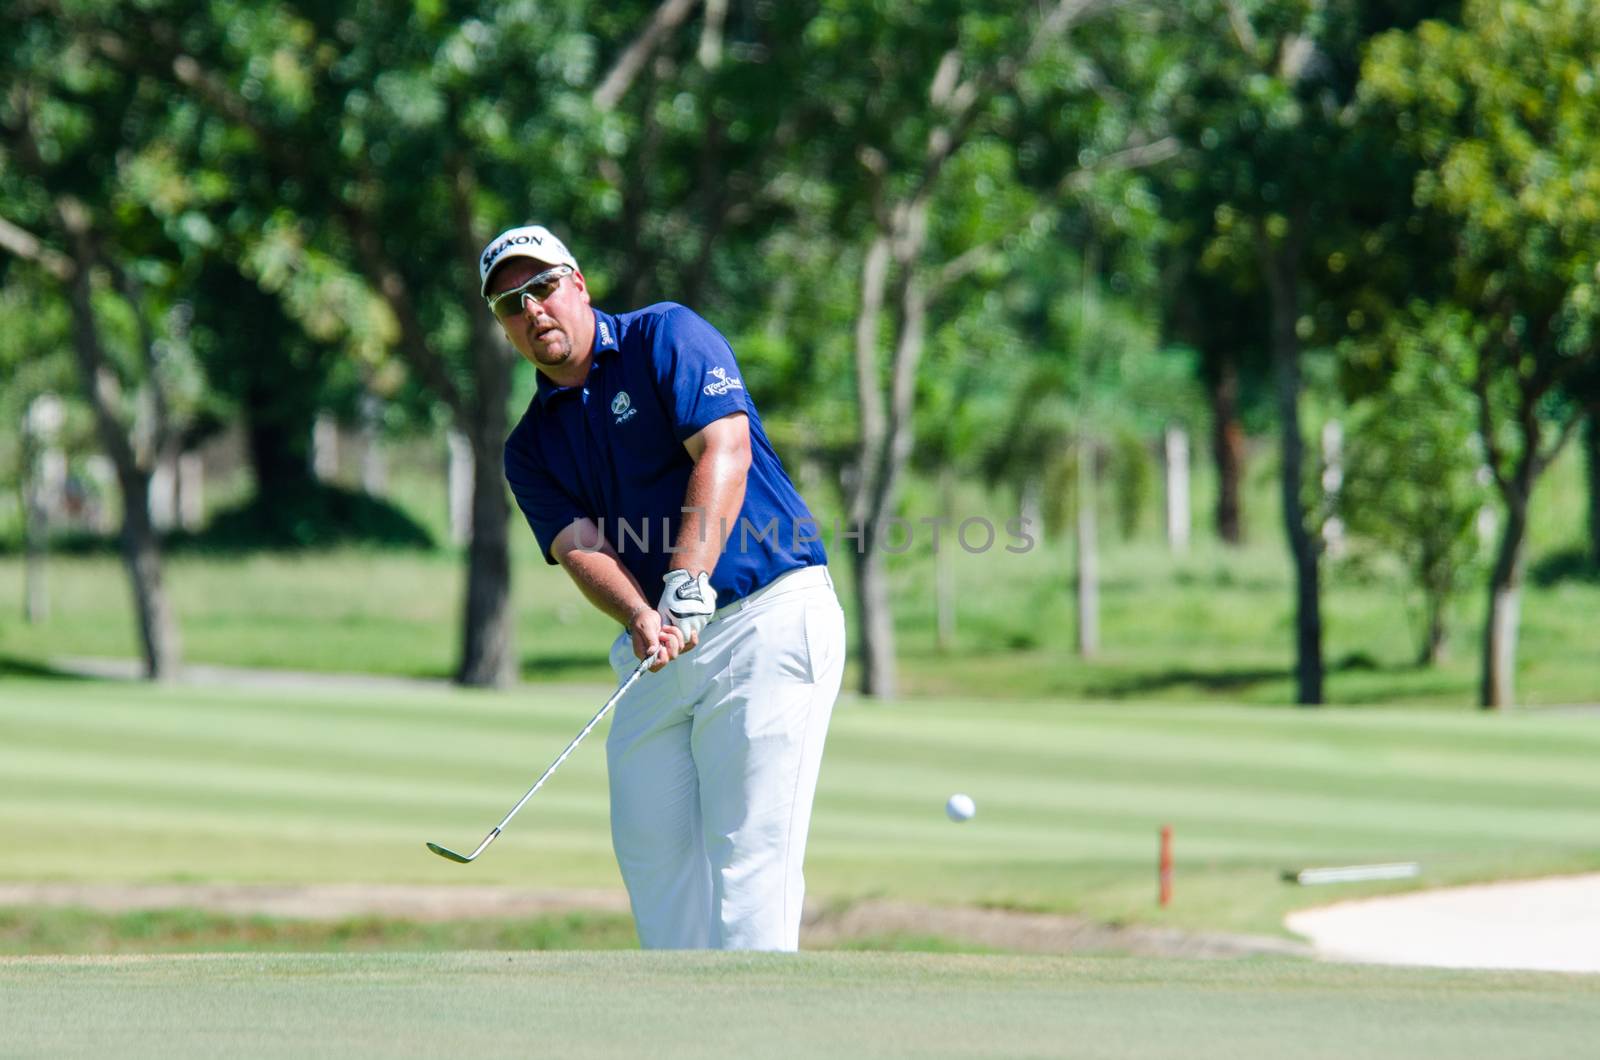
548,507
695,371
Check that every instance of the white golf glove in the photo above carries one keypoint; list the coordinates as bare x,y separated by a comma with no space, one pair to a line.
688,601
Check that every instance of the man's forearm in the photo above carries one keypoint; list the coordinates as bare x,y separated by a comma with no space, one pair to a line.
604,581
712,502
594,565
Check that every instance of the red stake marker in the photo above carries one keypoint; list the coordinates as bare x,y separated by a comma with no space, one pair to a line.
1165,865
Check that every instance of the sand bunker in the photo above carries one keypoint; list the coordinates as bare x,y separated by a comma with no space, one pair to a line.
1546,925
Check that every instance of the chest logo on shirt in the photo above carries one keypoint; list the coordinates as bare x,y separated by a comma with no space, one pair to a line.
622,408
720,383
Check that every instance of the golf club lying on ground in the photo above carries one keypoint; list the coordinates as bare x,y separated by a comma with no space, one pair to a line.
562,757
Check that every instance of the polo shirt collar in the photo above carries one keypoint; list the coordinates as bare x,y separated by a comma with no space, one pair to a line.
605,341
605,333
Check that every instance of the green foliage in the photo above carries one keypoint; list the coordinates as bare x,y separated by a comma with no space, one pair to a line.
1572,564
1504,114
1083,360
1412,486
34,361
269,173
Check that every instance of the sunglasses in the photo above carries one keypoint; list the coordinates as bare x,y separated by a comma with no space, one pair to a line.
539,288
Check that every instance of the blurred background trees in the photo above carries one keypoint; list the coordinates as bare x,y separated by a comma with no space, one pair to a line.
1500,112
964,251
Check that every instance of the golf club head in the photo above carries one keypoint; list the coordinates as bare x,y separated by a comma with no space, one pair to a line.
451,854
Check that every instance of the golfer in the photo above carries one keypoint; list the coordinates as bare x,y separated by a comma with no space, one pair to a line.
643,470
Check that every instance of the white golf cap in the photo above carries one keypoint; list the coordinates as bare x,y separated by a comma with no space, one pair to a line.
528,241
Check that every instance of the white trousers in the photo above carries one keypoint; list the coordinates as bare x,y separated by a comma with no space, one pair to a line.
713,765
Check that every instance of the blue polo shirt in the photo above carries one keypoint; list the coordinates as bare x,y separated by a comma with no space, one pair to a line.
612,451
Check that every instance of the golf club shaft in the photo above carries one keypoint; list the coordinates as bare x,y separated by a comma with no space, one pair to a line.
562,757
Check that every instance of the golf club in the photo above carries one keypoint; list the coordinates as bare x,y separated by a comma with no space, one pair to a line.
465,859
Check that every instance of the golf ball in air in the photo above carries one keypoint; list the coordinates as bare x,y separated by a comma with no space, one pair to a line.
960,807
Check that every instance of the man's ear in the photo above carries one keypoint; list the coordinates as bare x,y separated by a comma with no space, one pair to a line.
581,284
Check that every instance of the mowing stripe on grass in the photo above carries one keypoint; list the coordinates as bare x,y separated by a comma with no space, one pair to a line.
150,784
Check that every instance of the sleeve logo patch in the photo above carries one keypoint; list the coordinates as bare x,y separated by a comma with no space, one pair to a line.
721,383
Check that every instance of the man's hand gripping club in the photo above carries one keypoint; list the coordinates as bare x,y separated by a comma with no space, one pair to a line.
649,635
673,627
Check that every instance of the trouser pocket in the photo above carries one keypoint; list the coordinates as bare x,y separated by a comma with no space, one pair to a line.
622,660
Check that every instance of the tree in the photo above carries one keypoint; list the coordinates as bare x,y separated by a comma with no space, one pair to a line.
351,159
1290,178
1502,114
1224,321
77,129
386,147
1412,459
1259,108
908,93
39,385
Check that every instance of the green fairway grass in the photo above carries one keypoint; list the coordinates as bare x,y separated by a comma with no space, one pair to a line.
118,782
835,1005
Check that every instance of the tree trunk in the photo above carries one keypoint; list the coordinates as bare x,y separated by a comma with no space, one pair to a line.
280,467
900,235
1279,264
1227,448
1087,544
944,582
709,53
487,655
141,556
141,551
273,372
1591,446
1433,633
1498,688
887,437
874,620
